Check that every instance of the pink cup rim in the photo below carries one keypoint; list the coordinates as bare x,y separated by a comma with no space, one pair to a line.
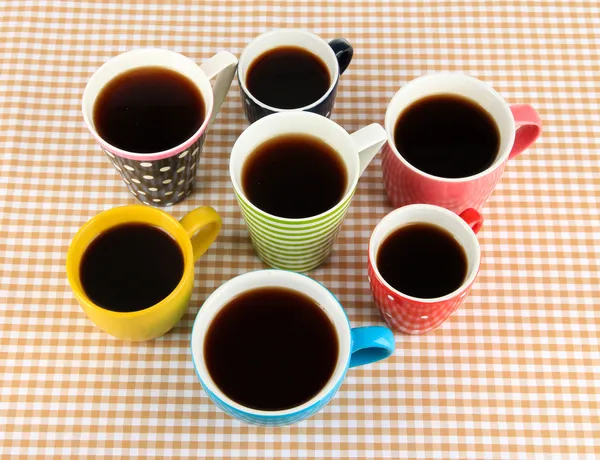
418,300
149,156
502,157
155,155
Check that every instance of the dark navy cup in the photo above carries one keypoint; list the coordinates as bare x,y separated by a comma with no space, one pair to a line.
336,54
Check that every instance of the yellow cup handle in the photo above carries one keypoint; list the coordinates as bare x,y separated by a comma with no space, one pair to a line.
202,225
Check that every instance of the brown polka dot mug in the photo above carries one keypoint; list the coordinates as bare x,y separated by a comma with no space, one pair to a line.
162,178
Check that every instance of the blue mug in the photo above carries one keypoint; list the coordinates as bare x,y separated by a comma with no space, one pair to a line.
357,346
336,55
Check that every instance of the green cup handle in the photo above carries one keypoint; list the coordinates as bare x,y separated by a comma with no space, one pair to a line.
222,65
368,141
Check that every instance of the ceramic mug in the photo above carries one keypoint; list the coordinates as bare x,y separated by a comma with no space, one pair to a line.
301,244
336,55
166,177
357,346
412,315
193,234
519,127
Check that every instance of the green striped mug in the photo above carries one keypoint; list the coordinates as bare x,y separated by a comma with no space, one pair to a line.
301,244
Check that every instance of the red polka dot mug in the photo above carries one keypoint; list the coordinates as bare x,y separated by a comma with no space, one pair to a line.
409,314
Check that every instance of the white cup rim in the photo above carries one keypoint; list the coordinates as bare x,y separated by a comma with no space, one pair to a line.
390,121
273,277
89,95
289,119
309,35
385,228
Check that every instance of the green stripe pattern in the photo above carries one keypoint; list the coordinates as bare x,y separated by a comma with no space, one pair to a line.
292,245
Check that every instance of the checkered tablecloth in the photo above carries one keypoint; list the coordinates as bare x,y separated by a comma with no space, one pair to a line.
515,373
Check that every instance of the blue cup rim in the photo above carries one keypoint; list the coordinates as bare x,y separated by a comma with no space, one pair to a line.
343,357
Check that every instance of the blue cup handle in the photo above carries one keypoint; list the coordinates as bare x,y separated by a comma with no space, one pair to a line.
370,344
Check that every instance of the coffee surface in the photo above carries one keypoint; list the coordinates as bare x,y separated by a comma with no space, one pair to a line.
288,77
148,110
422,260
131,267
294,176
447,136
271,349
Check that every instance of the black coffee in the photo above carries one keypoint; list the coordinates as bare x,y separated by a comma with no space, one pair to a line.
447,136
294,176
148,109
288,78
131,267
271,349
422,260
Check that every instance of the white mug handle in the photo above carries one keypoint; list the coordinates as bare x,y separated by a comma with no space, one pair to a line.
368,141
222,65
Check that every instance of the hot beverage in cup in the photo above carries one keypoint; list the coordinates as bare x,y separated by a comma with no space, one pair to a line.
288,77
149,109
291,69
131,268
422,260
106,274
272,347
450,137
294,176
447,136
243,362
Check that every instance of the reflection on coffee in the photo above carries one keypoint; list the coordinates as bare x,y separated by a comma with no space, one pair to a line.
271,349
447,135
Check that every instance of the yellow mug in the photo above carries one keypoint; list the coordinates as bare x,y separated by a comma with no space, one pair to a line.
194,234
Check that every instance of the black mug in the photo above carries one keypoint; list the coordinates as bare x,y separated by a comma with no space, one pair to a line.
336,55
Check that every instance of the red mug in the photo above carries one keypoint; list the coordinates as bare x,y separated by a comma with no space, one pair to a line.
519,127
412,315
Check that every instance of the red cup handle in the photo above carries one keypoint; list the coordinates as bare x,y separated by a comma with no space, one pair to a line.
528,125
472,218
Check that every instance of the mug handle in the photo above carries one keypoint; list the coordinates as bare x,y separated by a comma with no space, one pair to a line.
368,141
528,125
370,344
202,226
343,52
473,219
222,65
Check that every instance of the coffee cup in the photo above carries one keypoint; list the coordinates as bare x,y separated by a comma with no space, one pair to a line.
190,237
324,61
301,244
164,175
518,126
355,347
408,313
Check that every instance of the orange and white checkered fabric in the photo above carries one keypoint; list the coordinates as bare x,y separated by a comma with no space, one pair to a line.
514,374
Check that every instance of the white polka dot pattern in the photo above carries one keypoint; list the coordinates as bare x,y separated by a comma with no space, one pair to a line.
152,181
408,316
